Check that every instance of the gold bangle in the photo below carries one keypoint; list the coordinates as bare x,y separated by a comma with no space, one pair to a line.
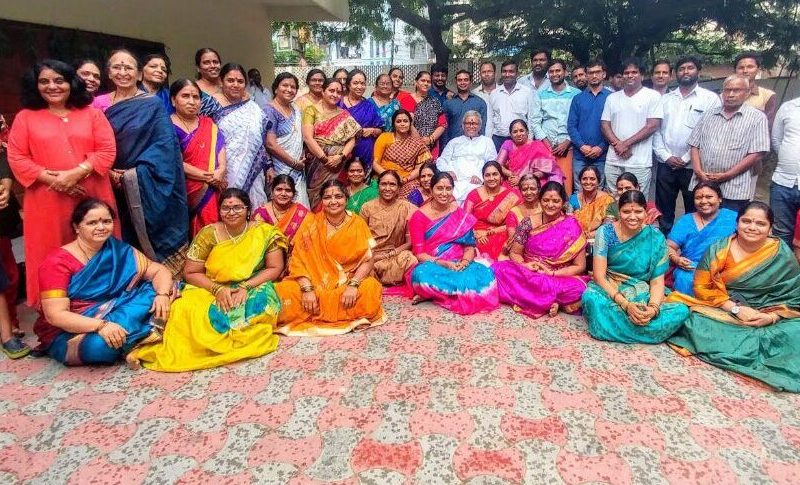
244,285
216,288
306,288
102,325
353,283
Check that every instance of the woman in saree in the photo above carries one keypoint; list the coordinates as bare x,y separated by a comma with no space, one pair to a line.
228,307
384,102
430,121
694,233
366,114
359,189
282,211
387,218
625,182
547,260
400,150
100,297
443,241
746,310
521,155
422,194
625,300
148,171
527,208
329,290
398,77
314,81
329,133
155,78
208,64
590,204
203,150
244,125
490,204
284,137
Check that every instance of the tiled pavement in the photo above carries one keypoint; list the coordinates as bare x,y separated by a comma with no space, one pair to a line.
430,397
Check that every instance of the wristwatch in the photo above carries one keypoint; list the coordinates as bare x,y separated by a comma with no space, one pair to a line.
735,309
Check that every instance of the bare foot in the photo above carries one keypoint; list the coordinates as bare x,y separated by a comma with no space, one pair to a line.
132,362
418,299
553,310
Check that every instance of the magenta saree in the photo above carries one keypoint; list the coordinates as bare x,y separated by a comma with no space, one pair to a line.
555,245
531,157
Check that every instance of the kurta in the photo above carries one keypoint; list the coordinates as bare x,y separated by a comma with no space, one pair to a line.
464,157
40,140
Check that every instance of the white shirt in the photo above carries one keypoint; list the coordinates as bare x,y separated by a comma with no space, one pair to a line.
527,81
509,106
681,114
487,98
628,115
786,142
464,157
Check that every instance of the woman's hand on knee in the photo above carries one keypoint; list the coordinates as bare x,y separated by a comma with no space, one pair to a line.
113,334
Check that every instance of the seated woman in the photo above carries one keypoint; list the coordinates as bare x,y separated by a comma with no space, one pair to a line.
590,204
100,297
694,233
387,218
443,241
490,204
625,182
548,258
359,188
520,155
746,310
227,309
422,194
402,151
529,189
282,211
328,290
624,302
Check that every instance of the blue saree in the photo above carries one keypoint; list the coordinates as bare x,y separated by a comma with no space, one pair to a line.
366,114
386,111
108,287
152,203
632,264
693,243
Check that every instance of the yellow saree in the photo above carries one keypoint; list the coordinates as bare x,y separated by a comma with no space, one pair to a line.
328,261
198,334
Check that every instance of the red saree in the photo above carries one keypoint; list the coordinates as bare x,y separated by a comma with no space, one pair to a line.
491,215
201,149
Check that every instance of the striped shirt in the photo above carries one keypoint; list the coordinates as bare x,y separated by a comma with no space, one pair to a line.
725,142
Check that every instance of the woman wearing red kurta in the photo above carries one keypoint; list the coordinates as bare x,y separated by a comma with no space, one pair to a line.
60,150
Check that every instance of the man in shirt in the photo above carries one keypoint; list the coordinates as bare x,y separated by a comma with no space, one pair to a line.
257,93
510,101
484,91
660,75
683,108
540,63
549,117
583,122
438,88
630,117
465,156
728,142
578,77
748,64
784,193
461,103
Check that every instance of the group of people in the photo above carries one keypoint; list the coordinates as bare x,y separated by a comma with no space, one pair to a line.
185,227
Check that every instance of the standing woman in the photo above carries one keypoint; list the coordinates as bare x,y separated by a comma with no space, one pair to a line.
423,193
124,74
366,114
398,77
359,190
625,301
282,211
429,118
284,133
329,133
155,78
383,100
245,127
148,172
443,241
208,63
402,151
91,72
341,76
203,150
314,81
61,151
547,260
590,204
490,204
387,218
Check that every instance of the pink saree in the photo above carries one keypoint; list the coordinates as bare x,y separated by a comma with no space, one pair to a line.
533,156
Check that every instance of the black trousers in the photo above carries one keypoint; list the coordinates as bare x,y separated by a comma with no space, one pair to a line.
669,183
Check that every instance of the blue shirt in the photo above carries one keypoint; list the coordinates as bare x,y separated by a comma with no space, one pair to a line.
454,110
583,123
550,117
440,97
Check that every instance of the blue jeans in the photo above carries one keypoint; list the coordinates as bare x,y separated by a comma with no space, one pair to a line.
578,162
785,202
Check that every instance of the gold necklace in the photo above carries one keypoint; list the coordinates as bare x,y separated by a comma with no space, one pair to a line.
80,248
278,215
336,226
185,126
234,239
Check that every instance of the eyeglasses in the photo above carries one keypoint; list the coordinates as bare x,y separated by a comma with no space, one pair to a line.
235,209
